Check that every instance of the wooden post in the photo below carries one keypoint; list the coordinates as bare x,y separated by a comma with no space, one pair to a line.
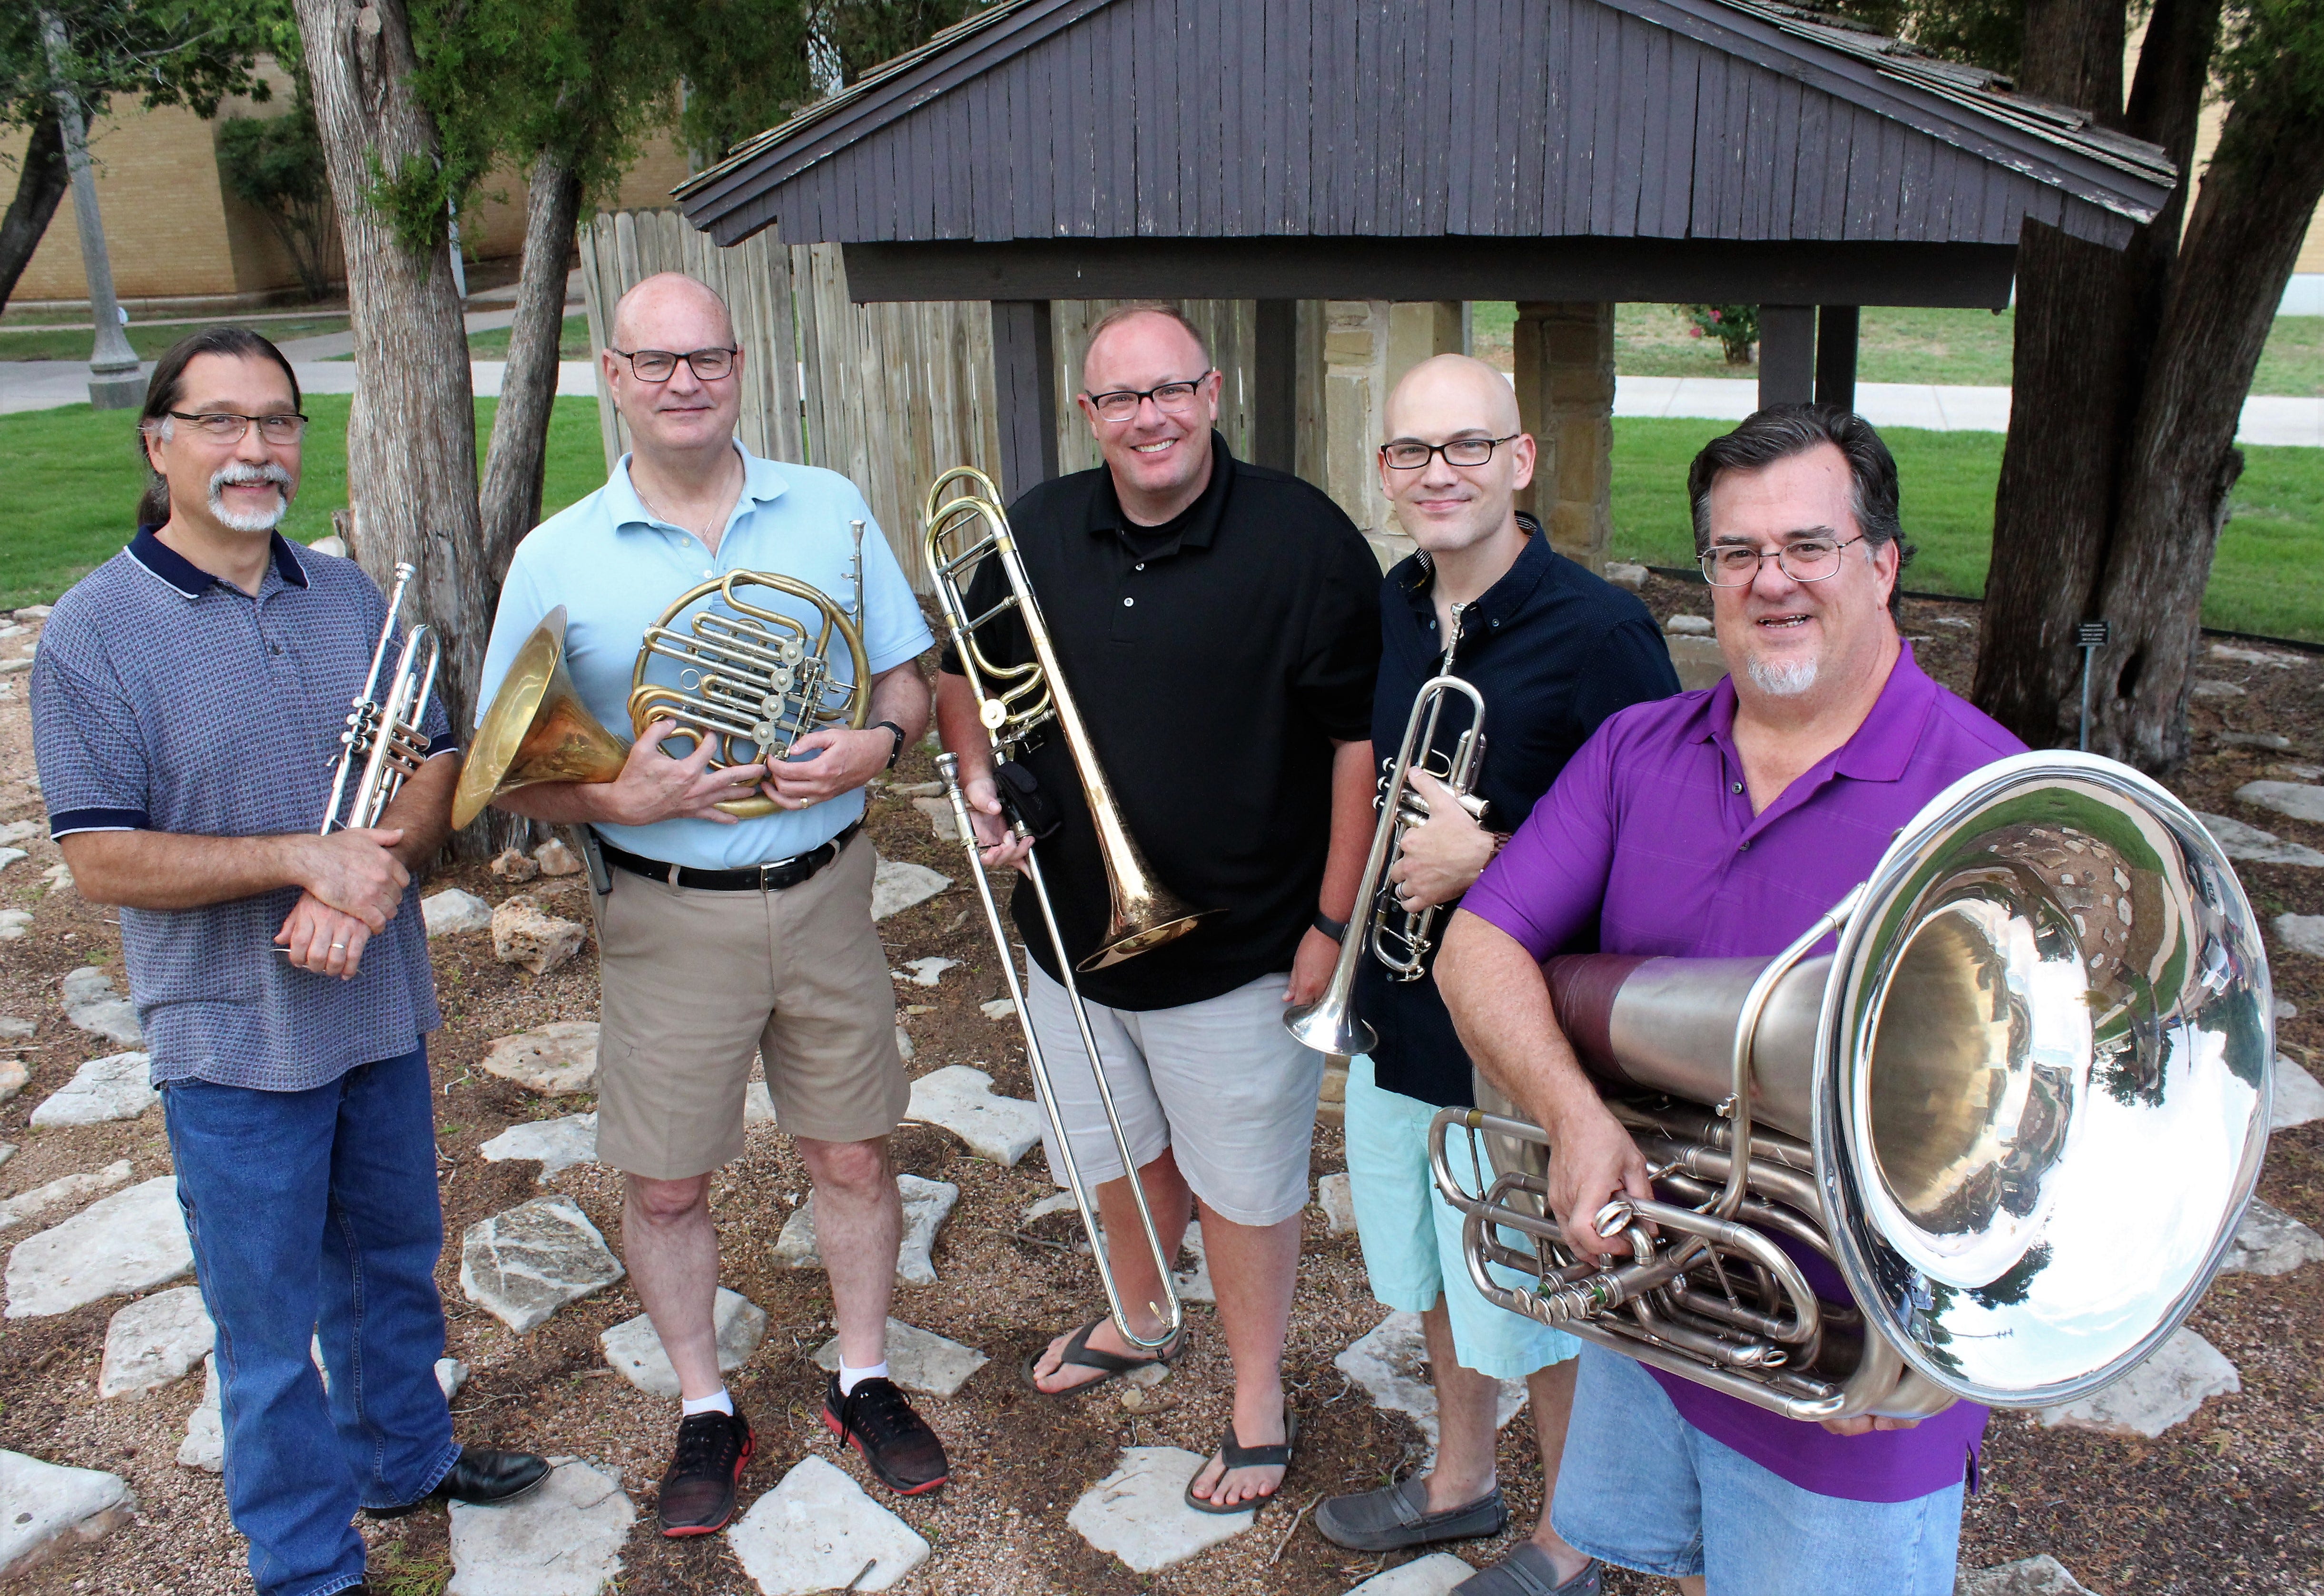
1274,386
1024,397
1835,370
1787,354
1565,381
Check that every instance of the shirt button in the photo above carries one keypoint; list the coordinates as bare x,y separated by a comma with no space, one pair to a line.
1742,847
1139,566
1736,788
274,649
1128,603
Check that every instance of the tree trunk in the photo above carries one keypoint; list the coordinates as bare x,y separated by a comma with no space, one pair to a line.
2257,200
42,179
518,452
411,432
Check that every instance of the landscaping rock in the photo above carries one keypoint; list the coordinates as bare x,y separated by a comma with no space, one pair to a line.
555,859
154,1341
2239,842
924,972
758,1103
634,1350
1689,625
960,1098
59,877
7,1152
1337,1201
558,1143
2255,739
130,1242
1139,1513
13,1029
116,1087
2271,1242
2164,1391
14,923
91,1002
2299,933
940,817
999,1008
204,1447
17,832
2208,689
13,1078
1193,1283
528,936
556,1059
451,1374
818,1531
2300,800
52,1508
562,1538
2285,1009
1623,574
451,910
918,1359
36,612
1389,1362
523,1264
903,1045
2298,1097
927,1203
2031,1576
1433,1575
9,856
512,865
897,885
67,1191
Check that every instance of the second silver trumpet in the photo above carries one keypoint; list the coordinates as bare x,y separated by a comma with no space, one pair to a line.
383,734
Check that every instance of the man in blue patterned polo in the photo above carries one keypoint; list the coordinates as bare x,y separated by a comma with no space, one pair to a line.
187,704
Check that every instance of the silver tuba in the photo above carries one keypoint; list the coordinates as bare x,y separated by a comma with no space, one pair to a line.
382,735
2020,1109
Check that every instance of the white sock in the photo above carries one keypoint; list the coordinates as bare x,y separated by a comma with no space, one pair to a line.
717,1401
848,1377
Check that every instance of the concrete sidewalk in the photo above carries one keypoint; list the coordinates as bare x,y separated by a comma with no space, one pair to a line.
50,384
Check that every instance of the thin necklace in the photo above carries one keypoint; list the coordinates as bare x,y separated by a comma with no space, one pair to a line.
673,520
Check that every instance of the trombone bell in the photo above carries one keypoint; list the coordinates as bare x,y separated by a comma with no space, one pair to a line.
537,729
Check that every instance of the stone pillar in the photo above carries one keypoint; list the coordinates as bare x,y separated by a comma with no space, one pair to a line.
1565,399
1366,347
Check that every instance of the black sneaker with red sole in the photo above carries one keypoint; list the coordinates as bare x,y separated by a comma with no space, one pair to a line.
894,1442
697,1494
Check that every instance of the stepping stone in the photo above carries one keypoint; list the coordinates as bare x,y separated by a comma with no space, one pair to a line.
903,1045
758,1103
17,832
155,1341
451,1374
940,820
818,1531
12,1076
14,923
13,1029
917,790
2298,1097
2300,800
116,1087
2258,656
634,1350
1139,1513
530,938
451,910
91,1002
999,1008
1689,625
557,1059
927,1203
2208,689
7,1149
2271,1242
558,1143
2032,1576
924,972
2239,842
2302,934
52,1508
1334,1196
204,1447
126,1244
1193,1283
561,1539
9,856
1388,1363
67,1191
1432,1575
2164,1391
522,1265
960,1098
897,887
918,1359
2273,742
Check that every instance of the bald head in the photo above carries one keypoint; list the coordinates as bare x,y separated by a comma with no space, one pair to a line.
1464,515
670,311
1448,394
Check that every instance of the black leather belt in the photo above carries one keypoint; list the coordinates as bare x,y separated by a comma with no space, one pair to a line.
773,875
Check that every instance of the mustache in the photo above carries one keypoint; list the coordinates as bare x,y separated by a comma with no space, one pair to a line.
243,472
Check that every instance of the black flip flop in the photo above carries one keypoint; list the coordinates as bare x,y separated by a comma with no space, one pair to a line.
1236,1455
1080,1354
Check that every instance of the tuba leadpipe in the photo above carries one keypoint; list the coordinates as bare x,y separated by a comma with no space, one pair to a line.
384,734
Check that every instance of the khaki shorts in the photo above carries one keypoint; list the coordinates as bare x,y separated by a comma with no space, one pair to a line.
697,982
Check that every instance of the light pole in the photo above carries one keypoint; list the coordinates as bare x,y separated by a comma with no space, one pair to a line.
114,381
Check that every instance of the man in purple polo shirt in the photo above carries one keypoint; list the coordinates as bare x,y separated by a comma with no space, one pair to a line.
1722,824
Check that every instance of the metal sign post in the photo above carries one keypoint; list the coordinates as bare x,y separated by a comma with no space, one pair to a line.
2090,638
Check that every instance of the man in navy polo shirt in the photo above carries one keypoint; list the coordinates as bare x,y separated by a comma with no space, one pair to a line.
187,705
1554,650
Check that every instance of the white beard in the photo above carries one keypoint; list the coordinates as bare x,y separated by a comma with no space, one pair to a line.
1782,681
253,520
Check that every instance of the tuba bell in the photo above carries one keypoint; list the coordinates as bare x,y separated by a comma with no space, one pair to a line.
2019,1110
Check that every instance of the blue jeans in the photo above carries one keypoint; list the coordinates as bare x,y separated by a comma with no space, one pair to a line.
315,1214
1641,1488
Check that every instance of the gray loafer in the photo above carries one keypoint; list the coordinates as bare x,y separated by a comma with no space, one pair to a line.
1528,1571
1397,1516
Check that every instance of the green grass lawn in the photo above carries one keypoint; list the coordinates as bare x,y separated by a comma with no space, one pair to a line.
19,343
572,344
80,475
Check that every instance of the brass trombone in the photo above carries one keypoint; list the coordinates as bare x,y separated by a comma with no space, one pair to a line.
385,735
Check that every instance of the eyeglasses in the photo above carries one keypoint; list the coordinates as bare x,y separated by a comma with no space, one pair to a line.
1171,398
221,427
1411,456
1737,564
658,365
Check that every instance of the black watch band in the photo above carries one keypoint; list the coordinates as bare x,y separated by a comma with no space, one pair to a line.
895,731
1337,930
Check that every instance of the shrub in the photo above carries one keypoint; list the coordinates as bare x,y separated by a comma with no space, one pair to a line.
1736,327
275,164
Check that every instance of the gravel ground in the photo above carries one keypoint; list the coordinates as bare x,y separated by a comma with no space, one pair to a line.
2117,1512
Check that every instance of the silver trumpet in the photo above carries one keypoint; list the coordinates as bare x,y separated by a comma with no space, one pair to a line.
384,735
2019,1109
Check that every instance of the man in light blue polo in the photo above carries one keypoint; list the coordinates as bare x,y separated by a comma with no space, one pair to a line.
721,939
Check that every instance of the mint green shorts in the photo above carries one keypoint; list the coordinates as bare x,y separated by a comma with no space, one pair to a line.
1411,1235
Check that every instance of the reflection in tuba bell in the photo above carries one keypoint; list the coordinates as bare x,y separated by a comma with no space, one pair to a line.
2020,1109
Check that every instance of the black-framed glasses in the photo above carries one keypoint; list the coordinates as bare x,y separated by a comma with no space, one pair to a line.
1407,455
223,427
660,365
1171,398
1806,559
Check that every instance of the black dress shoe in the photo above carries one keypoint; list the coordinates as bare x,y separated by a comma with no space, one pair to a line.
481,1478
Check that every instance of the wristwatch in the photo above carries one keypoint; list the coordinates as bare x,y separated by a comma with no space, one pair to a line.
1337,930
895,731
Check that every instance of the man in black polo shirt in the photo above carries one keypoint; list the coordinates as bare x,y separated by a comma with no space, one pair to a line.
1554,650
1220,625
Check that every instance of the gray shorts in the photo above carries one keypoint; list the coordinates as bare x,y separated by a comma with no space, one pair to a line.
1220,1082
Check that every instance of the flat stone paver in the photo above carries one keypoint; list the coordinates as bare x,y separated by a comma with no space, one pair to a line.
818,1531
154,1341
451,910
50,1509
14,923
1335,1194
2254,846
562,1538
116,1087
1432,1575
960,1098
2271,1242
1387,1360
65,1192
2298,1097
1140,1514
559,1143
2030,1576
2164,1391
523,1264
897,885
918,1359
2302,934
91,1002
924,972
2303,801
631,1347
204,1447
557,1059
130,1242
926,1204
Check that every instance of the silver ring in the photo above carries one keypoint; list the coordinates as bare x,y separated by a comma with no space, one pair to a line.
338,944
